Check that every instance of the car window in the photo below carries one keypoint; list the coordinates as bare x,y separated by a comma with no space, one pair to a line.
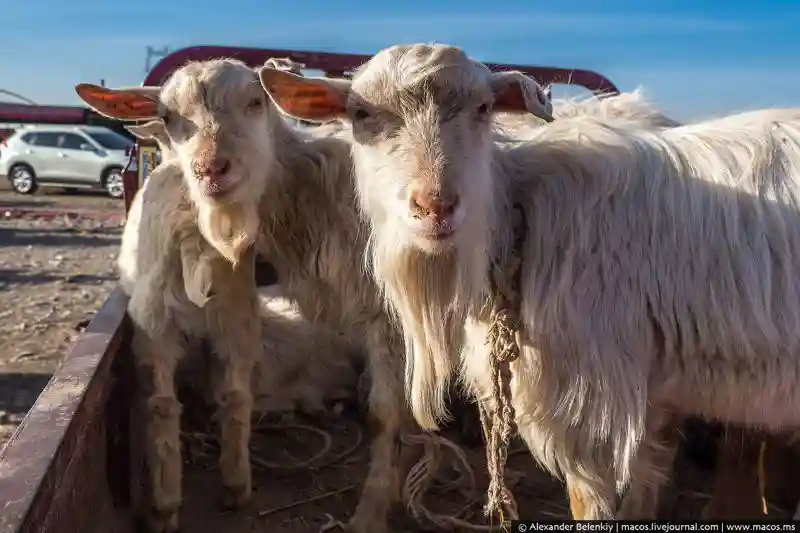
47,139
110,140
71,141
29,138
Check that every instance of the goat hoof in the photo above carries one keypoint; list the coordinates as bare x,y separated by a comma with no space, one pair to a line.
233,498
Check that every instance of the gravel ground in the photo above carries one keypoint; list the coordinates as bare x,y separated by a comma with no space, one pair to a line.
55,272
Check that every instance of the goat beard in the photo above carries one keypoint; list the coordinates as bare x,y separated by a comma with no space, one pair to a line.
229,228
430,297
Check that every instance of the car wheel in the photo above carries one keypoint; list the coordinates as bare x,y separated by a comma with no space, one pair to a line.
113,182
23,179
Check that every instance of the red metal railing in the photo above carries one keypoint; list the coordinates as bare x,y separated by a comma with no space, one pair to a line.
338,65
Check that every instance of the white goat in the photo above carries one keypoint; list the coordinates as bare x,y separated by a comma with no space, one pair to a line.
309,230
194,275
658,275
304,366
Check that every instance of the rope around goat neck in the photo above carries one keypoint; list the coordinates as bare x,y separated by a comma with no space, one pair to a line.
498,420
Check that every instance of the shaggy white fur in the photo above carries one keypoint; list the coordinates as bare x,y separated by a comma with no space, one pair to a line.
187,262
658,274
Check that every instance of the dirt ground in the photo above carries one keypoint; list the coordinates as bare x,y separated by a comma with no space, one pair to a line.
55,272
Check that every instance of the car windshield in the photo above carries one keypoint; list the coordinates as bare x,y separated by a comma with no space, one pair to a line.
110,140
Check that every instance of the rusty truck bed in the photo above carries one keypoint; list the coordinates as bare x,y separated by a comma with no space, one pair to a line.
68,467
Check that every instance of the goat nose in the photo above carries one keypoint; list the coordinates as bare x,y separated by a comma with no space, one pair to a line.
213,168
433,205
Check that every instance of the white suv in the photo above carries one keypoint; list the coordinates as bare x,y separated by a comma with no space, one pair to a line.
80,157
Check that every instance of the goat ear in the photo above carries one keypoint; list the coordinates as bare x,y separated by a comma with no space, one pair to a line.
312,99
135,103
514,92
155,129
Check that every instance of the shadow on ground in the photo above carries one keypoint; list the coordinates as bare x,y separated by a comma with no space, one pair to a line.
37,198
80,192
18,392
14,276
58,237
21,204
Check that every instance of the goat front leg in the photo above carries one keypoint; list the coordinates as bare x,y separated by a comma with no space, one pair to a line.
156,360
588,471
388,417
235,337
591,500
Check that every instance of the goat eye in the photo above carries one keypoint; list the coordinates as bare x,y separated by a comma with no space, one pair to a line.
360,114
255,103
483,110
165,119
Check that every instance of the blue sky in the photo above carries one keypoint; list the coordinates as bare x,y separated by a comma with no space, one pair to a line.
694,58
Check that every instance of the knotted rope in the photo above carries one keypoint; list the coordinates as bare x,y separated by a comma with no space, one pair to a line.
497,413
